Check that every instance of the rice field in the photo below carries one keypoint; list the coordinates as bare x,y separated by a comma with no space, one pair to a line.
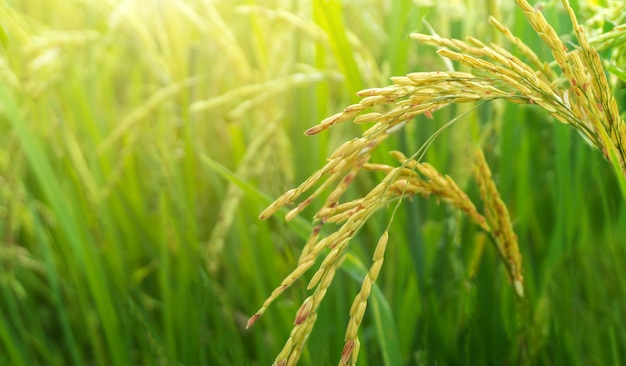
385,182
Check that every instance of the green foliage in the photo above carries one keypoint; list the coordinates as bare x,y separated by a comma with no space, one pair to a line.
141,139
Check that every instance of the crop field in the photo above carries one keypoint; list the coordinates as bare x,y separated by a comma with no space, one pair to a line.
214,182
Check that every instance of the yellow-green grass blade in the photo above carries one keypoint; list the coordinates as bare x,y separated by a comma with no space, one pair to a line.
329,15
300,225
617,71
402,18
60,305
15,353
88,267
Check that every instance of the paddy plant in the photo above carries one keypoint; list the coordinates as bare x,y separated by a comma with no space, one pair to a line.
572,88
472,213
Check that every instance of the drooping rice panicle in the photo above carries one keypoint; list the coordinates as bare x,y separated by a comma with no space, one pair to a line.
351,347
576,93
499,221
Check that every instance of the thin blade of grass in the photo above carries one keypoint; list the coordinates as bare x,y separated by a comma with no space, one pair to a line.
15,352
330,16
88,263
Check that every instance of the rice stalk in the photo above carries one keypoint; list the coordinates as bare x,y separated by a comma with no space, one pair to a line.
298,22
130,121
576,93
248,167
256,94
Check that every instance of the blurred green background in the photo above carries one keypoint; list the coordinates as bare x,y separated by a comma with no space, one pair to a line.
141,139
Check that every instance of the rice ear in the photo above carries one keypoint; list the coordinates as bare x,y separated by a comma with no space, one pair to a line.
584,102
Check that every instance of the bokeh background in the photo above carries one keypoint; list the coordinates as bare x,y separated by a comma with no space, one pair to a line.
142,138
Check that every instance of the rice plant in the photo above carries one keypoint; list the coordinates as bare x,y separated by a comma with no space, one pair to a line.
577,94
456,222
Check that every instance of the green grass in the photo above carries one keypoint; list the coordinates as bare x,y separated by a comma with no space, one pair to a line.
140,143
